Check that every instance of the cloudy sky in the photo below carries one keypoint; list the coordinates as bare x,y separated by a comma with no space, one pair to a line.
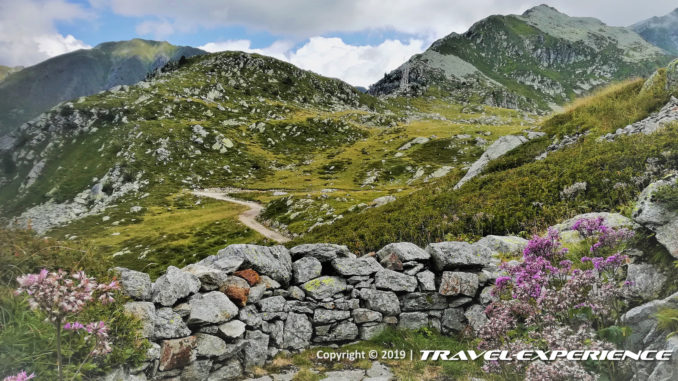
355,40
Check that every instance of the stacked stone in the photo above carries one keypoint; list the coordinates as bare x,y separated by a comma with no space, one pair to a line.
214,319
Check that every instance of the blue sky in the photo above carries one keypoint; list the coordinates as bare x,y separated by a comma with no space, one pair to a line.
355,40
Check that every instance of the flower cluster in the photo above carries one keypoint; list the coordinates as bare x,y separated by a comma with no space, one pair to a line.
62,296
59,295
21,376
547,302
606,236
98,330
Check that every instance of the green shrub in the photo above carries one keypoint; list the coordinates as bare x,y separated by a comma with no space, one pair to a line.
667,320
27,341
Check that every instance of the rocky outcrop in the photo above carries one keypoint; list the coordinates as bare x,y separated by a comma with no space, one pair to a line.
497,149
668,114
325,296
645,335
659,216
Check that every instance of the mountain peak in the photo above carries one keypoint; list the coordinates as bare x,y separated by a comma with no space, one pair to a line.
542,9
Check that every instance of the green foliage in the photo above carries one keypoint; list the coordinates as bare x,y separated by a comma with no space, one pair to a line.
520,194
667,320
615,334
667,195
27,341
23,252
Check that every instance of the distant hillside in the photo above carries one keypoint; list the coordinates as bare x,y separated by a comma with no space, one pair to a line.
534,61
114,166
598,155
84,72
661,31
5,71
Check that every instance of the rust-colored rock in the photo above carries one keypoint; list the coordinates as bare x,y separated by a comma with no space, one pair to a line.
176,353
392,262
251,276
238,295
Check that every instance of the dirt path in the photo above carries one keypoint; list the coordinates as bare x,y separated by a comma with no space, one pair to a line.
248,217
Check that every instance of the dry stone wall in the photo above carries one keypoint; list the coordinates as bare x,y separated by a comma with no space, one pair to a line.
214,319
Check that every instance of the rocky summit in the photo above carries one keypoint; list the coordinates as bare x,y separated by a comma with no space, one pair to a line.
536,61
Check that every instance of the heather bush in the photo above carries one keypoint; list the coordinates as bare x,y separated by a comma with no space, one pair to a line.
557,300
61,297
29,332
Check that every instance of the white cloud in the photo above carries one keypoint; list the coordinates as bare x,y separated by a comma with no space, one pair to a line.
28,34
357,65
158,29
428,19
332,57
54,44
279,49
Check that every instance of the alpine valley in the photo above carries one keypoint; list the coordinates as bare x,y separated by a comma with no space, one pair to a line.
159,155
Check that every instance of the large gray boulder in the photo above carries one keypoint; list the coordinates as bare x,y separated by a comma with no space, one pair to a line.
646,280
255,348
232,329
169,325
323,316
324,252
364,315
343,331
645,335
306,269
174,285
455,255
211,308
272,304
324,287
273,261
427,280
458,283
297,332
613,220
658,216
453,319
498,148
198,370
405,251
359,266
395,281
385,302
135,284
211,278
476,317
503,244
413,320
209,346
145,312
232,370
423,301
643,323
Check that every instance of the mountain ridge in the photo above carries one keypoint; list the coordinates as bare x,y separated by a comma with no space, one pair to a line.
508,61
661,31
35,89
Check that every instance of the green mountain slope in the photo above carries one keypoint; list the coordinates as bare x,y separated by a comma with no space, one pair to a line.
589,160
6,70
661,31
534,61
84,72
116,167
